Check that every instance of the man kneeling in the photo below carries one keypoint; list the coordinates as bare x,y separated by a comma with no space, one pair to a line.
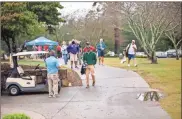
90,59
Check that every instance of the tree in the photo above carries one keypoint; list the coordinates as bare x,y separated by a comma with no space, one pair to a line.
148,21
24,18
174,31
48,13
15,20
113,17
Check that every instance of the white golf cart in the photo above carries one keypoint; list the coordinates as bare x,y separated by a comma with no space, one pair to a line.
19,81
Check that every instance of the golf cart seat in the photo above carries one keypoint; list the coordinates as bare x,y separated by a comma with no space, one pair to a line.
25,76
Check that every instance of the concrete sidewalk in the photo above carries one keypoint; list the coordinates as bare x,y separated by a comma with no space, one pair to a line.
113,97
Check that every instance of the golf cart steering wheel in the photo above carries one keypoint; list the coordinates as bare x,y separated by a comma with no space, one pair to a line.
37,67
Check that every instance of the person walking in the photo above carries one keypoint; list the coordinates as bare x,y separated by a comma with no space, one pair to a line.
53,66
50,47
90,59
92,48
58,49
131,51
73,50
79,53
100,49
64,52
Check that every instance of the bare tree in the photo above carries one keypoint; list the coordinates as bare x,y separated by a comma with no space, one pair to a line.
174,31
148,21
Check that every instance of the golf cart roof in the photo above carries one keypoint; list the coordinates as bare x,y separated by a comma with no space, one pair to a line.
30,53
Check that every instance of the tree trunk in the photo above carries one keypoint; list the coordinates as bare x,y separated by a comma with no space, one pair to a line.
153,58
177,55
8,44
14,50
116,39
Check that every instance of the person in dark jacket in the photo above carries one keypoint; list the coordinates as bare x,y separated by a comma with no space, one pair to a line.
73,50
90,59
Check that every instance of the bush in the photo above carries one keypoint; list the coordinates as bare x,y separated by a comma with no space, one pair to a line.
16,116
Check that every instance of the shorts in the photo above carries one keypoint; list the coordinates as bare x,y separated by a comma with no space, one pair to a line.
131,56
73,57
101,53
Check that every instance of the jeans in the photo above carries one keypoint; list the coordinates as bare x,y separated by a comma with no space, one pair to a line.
65,57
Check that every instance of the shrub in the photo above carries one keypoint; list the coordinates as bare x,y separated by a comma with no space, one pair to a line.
16,116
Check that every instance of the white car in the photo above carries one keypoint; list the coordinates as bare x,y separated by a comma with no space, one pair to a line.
161,54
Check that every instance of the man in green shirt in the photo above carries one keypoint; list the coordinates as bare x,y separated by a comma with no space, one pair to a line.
90,59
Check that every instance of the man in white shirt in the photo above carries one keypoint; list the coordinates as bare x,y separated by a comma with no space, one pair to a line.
131,52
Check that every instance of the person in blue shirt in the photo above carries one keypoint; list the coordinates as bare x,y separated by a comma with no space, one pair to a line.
73,50
53,66
100,49
51,47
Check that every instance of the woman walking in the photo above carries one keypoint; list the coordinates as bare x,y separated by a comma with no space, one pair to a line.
64,52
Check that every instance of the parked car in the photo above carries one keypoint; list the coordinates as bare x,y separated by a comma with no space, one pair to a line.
141,54
110,53
172,53
161,54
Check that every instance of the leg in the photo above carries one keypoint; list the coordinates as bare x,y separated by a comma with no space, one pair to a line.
87,76
55,80
64,57
76,60
102,60
129,58
135,64
72,59
71,64
50,85
92,74
99,60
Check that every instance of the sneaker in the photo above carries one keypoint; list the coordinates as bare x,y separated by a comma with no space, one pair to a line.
54,96
135,65
77,67
50,96
128,65
93,84
87,86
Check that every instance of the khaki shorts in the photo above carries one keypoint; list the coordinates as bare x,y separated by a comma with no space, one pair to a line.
73,57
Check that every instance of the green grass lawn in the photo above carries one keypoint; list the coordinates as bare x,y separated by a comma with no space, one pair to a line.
31,63
165,76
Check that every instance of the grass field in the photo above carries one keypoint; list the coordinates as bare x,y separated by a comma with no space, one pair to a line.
165,76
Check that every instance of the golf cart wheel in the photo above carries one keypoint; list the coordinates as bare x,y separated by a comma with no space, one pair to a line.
14,90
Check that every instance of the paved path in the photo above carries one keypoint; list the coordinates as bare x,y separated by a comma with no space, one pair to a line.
113,97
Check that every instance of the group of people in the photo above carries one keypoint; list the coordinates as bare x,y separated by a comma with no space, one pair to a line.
73,51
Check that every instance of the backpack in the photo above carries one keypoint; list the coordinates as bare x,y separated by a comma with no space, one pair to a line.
127,49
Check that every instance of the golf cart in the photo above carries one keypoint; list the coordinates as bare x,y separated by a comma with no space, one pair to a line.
19,81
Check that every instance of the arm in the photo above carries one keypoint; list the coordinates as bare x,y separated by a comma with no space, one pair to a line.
98,47
68,49
58,65
135,48
104,45
95,58
84,58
